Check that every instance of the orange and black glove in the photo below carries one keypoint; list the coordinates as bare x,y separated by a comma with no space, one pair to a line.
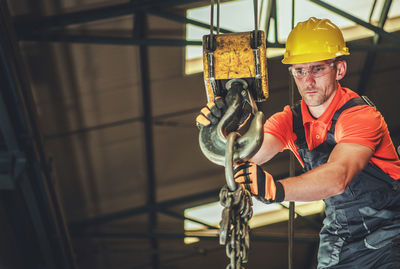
260,183
211,113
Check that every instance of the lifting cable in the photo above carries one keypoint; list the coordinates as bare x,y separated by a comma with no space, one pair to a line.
291,172
255,5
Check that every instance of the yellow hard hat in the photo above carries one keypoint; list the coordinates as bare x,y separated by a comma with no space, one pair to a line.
314,40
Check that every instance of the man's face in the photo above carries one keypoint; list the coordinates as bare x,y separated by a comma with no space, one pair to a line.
316,81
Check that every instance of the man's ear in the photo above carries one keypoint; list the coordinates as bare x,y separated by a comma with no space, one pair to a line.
341,69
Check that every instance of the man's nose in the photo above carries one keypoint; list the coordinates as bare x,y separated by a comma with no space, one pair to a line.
309,78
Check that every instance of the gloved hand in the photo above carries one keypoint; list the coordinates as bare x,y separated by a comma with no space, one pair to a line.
211,113
260,183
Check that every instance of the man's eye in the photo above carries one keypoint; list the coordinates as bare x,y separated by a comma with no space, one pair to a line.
318,68
300,71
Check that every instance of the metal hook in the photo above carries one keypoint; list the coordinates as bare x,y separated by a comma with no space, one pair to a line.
230,181
213,138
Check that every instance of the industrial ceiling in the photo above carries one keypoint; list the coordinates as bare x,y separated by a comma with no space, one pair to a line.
99,150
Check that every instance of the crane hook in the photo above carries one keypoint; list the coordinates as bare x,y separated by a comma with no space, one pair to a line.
213,138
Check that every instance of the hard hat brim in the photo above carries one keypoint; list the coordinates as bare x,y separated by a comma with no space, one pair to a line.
308,58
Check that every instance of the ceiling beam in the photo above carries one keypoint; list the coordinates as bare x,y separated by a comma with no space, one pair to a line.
140,32
78,226
180,216
107,40
19,130
371,55
181,19
94,14
367,25
131,41
254,237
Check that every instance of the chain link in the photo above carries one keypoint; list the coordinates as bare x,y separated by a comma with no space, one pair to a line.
234,228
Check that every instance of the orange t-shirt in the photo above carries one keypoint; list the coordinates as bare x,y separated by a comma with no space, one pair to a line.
359,124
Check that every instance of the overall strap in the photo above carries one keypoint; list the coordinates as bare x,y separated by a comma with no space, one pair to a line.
356,101
297,118
297,125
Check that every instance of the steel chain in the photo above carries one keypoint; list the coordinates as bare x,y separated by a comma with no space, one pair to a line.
234,228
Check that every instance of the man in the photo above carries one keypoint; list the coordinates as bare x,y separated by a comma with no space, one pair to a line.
343,143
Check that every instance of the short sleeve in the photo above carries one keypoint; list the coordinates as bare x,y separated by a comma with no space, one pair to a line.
361,125
280,125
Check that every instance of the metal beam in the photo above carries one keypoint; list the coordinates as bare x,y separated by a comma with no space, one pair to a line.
177,18
21,136
313,223
140,30
130,41
77,226
371,55
156,120
107,40
173,236
385,48
95,14
182,217
369,26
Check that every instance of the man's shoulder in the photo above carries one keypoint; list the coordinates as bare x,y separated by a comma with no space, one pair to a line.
361,116
347,94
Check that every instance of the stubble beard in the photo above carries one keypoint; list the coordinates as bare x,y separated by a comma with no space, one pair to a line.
316,100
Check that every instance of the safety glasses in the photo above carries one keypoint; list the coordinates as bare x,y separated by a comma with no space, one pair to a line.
315,70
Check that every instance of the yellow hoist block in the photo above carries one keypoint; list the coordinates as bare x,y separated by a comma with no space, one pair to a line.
234,56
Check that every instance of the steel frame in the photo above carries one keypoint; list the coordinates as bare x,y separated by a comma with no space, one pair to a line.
28,174
42,29
371,55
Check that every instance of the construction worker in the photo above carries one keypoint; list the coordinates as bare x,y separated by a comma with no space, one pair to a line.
342,142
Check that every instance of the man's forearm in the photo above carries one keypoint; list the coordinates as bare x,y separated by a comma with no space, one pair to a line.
320,183
345,162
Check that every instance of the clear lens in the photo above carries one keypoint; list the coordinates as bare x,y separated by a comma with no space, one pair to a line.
315,70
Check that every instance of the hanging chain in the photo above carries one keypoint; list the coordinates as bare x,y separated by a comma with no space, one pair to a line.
234,228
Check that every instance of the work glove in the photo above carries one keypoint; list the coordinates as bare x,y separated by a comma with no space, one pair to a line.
260,183
211,113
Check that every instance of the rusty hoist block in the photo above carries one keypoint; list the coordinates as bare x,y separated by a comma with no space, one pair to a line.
235,68
234,56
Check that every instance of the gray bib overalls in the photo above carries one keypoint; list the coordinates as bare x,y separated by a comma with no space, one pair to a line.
362,225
